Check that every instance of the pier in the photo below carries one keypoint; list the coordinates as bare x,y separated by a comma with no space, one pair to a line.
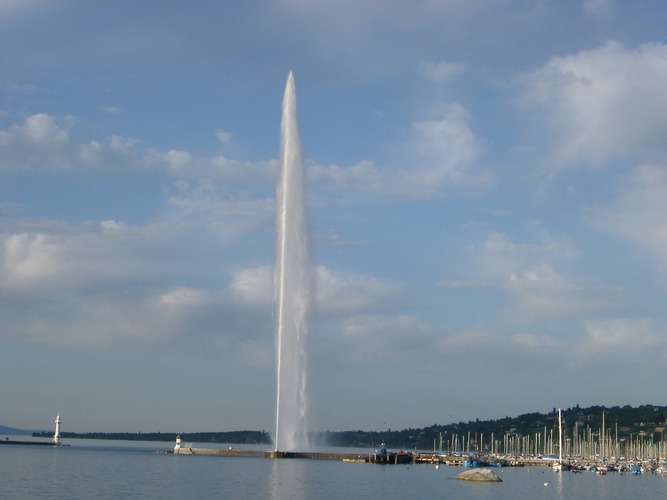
54,442
29,443
417,458
346,457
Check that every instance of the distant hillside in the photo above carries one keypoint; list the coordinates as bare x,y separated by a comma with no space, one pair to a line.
10,431
623,422
647,420
234,437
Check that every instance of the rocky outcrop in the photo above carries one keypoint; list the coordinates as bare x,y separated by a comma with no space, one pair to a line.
480,475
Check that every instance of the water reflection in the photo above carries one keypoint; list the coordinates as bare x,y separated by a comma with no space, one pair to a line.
287,480
559,485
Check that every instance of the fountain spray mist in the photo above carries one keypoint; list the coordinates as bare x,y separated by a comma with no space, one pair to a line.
291,282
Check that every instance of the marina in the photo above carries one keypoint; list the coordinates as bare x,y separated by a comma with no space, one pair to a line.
402,457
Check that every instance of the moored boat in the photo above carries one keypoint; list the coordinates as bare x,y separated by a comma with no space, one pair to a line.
384,456
560,466
474,461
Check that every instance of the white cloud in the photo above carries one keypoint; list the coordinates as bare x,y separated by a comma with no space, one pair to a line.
605,102
499,242
38,141
108,284
253,286
226,216
439,153
67,256
58,281
442,71
179,297
112,226
509,353
112,110
377,337
640,215
529,273
619,337
499,256
223,136
29,258
445,143
543,292
63,288
185,164
335,293
351,293
101,320
41,142
40,129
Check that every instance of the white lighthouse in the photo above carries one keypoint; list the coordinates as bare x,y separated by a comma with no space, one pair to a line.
56,435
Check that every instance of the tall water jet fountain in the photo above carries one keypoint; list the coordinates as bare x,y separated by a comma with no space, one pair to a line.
291,285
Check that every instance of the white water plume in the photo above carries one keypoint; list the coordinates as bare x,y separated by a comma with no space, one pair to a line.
291,282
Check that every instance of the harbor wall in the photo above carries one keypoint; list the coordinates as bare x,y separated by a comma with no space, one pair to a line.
271,454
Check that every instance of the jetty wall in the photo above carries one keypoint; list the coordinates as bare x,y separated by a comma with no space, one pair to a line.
356,457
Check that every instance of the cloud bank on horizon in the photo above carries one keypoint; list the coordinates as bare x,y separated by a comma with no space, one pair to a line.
487,190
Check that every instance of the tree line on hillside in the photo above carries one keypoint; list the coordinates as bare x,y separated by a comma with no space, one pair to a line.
236,437
625,421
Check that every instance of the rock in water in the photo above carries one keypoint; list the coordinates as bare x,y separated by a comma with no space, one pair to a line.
483,475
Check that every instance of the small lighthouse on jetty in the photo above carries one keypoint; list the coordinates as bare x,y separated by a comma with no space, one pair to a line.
56,434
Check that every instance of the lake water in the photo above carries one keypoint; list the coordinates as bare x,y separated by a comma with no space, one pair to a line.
102,469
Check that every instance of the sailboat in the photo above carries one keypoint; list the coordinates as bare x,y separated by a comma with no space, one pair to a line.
560,466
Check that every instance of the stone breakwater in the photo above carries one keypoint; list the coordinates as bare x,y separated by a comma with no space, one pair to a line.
417,458
349,457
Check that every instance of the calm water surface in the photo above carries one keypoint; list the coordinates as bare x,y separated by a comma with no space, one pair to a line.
100,469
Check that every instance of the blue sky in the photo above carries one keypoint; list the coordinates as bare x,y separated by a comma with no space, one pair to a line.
487,200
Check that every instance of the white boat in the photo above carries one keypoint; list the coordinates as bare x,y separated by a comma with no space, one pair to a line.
560,466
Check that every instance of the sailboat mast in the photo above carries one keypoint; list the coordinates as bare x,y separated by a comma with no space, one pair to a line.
603,437
560,436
